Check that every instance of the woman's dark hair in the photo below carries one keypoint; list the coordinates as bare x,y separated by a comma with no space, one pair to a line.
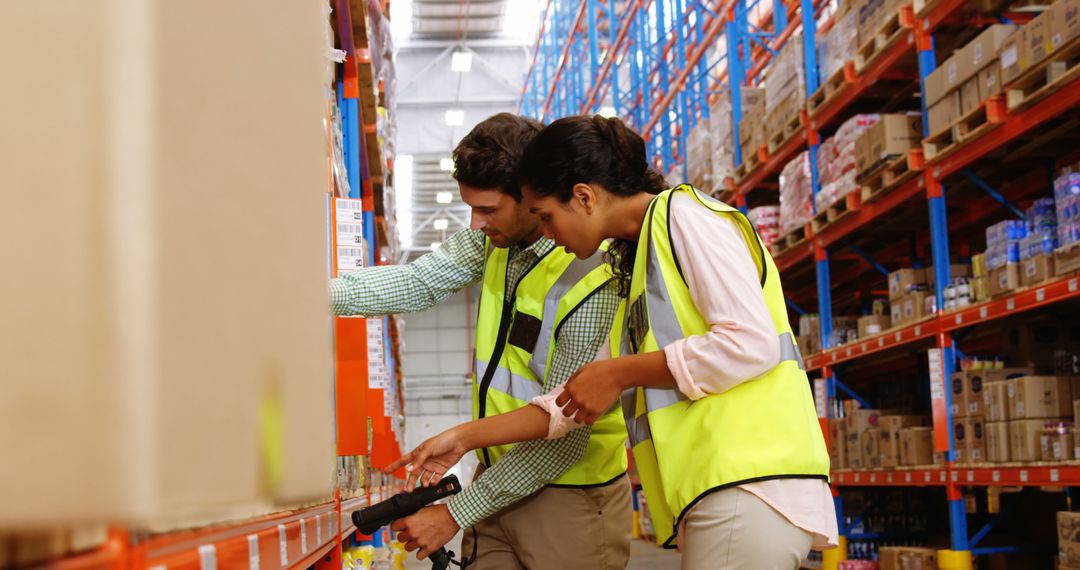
591,150
488,156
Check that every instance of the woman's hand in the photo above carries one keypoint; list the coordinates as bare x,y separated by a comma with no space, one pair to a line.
591,391
432,459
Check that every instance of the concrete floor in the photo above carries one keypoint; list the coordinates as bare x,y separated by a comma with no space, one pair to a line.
643,556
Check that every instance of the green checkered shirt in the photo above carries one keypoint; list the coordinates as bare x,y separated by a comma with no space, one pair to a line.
430,279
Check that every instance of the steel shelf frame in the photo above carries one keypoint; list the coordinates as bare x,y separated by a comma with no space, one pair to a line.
660,64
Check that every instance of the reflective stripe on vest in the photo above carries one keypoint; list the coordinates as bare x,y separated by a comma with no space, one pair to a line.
541,356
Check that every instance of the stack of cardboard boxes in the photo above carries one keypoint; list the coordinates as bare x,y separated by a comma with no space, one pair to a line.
1029,418
699,156
972,407
1040,38
964,81
809,338
891,137
907,558
785,87
871,14
909,288
752,127
1068,530
876,439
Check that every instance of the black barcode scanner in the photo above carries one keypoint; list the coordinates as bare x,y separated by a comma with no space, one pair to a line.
371,519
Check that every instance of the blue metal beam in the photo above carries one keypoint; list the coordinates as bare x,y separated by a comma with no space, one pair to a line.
989,191
854,395
866,257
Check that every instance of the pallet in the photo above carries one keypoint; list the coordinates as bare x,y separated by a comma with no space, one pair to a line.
789,241
780,138
890,32
836,212
836,84
749,163
1042,80
986,117
884,179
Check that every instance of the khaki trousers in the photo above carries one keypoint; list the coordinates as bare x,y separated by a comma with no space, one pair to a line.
557,528
734,530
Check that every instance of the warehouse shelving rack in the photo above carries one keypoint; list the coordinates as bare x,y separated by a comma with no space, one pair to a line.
310,537
659,63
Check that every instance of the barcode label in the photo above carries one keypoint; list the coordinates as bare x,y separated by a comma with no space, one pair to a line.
348,204
349,258
350,229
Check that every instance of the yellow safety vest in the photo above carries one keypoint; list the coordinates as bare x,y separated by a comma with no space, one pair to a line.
765,428
515,336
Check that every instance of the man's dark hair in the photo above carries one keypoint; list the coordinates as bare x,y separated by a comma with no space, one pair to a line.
488,156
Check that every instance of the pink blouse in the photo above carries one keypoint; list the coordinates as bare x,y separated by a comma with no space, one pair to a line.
741,344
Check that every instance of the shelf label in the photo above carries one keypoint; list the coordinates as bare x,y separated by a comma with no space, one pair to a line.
881,342
253,552
942,477
858,477
208,557
1023,475
899,336
873,477
318,529
996,476
959,318
1010,304
1054,475
971,476
889,477
303,536
1074,284
283,545
849,352
907,477
918,330
982,312
926,477
955,476
864,347
1040,295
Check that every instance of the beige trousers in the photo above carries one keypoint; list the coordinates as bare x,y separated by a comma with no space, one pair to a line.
734,530
557,528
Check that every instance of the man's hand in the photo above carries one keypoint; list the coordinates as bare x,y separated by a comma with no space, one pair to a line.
431,459
428,530
591,391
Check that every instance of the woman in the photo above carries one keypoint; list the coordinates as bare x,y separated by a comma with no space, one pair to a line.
719,411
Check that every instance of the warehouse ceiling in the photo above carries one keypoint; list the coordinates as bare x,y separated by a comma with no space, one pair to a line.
435,39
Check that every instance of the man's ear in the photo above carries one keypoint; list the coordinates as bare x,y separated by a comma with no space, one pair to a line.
584,196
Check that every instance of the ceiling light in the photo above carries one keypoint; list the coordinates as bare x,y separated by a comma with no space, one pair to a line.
446,164
461,62
444,197
441,224
608,112
455,118
435,245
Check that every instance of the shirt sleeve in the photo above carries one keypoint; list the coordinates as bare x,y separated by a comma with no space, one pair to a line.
413,287
530,465
742,342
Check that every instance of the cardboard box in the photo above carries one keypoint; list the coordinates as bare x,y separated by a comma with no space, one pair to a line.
889,557
838,444
980,289
918,559
916,446
943,80
1005,279
959,429
1036,46
914,305
871,455
974,390
891,426
944,113
1041,397
193,290
901,281
1068,528
969,96
975,445
1076,443
862,419
983,50
889,138
1026,439
1064,23
998,442
998,409
1076,404
854,450
896,313
1037,269
990,81
871,325
1057,444
1011,66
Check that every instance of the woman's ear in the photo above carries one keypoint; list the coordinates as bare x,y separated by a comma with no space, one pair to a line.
584,196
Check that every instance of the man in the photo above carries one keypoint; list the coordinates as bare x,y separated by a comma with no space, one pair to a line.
543,314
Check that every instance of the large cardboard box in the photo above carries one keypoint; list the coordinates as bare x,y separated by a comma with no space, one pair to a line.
975,439
943,80
837,444
889,557
914,305
164,233
1026,439
1036,269
969,96
983,50
871,455
853,448
971,394
998,443
896,313
1005,279
996,401
862,419
960,437
890,428
916,446
1041,397
1068,527
1064,23
1011,64
1056,443
1036,45
918,558
990,80
901,281
889,138
871,325
944,113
